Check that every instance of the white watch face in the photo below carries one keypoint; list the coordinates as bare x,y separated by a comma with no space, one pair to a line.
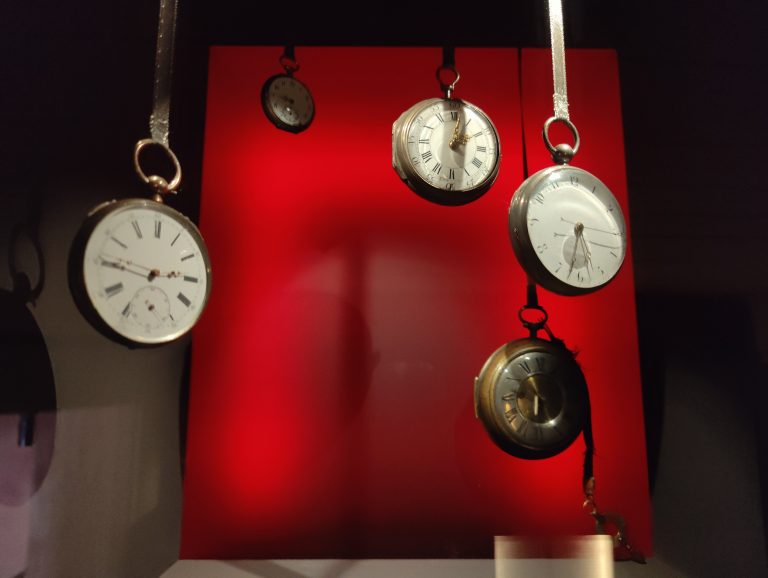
289,101
146,271
453,145
576,227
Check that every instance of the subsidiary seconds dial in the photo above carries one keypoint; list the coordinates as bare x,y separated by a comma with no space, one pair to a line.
567,230
140,272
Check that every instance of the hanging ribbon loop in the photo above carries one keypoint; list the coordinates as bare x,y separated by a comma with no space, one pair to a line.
159,120
560,96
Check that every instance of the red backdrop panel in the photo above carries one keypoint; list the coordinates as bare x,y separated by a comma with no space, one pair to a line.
331,410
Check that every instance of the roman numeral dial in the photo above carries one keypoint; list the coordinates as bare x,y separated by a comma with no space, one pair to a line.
145,272
531,397
446,150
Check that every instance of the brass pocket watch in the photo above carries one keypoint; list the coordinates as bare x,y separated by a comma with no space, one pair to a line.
531,397
446,149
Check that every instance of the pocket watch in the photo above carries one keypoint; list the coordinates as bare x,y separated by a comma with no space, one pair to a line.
286,101
139,270
531,397
566,227
446,149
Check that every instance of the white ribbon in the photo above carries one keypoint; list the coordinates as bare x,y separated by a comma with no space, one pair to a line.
560,96
159,124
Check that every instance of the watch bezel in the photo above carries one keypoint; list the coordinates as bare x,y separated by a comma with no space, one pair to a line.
401,160
521,240
270,113
76,268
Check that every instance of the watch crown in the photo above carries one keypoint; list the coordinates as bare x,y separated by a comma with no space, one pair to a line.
563,154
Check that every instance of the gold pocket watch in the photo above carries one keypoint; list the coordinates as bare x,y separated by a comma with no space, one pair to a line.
446,149
531,396
139,270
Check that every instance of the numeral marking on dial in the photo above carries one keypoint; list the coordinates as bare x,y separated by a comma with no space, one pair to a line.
137,229
158,229
451,174
440,117
423,141
477,134
123,245
436,168
113,290
539,198
126,310
184,299
477,162
190,279
175,239
185,257
454,115
481,149
426,156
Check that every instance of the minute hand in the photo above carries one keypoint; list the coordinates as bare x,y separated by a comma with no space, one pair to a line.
592,228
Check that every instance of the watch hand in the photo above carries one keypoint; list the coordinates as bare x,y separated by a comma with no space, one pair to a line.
455,138
578,230
587,254
126,261
152,272
606,246
121,267
591,228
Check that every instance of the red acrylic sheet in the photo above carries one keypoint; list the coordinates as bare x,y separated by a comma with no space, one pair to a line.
331,404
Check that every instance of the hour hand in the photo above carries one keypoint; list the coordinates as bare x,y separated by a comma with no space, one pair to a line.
455,138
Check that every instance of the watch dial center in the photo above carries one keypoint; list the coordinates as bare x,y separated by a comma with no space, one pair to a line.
539,398
575,252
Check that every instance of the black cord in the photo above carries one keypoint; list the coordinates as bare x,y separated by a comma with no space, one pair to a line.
449,57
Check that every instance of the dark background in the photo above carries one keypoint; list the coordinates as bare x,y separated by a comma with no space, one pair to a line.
75,95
